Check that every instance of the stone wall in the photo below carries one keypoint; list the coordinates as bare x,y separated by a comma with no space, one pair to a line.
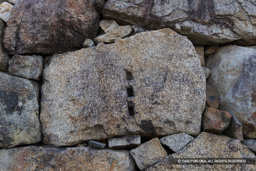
127,85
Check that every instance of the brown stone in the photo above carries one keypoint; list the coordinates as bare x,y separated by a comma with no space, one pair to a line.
235,129
215,120
212,99
50,26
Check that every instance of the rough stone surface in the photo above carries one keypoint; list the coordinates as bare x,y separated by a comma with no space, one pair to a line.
176,141
215,120
19,120
96,144
212,98
211,50
125,141
5,11
251,144
208,145
148,153
29,67
235,129
114,34
148,84
77,158
50,26
107,25
88,43
4,58
204,22
200,52
233,75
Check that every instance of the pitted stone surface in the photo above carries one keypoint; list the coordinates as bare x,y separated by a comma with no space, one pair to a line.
77,158
203,21
50,26
148,84
19,120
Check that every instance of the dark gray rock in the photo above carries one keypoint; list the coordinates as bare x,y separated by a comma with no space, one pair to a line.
251,144
29,67
19,120
50,26
4,58
125,141
96,144
202,21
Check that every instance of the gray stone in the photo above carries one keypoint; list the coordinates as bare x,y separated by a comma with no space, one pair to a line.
176,141
251,144
96,144
4,58
19,120
151,83
13,1
29,67
50,26
207,72
204,22
233,76
5,11
208,145
215,120
235,129
148,153
76,158
125,141
200,52
107,25
114,34
88,43
138,29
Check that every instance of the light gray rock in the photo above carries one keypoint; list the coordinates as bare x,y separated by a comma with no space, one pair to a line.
96,144
138,29
207,72
29,67
107,25
50,26
114,34
233,76
5,11
13,1
76,158
19,120
148,153
251,144
215,121
151,83
176,141
200,52
204,22
235,129
125,141
208,145
88,43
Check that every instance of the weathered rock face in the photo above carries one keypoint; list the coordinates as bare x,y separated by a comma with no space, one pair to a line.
148,153
29,67
79,158
148,84
233,75
19,120
204,22
47,26
208,145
